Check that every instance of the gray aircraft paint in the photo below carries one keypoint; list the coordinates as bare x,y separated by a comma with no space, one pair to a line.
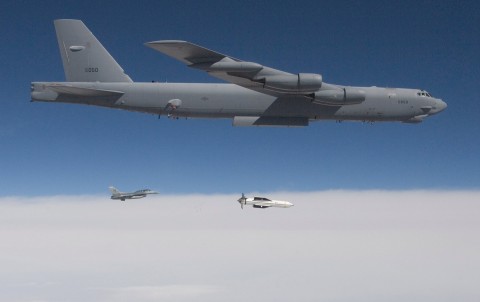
118,195
95,78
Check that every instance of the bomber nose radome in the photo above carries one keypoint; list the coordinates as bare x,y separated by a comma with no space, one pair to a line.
441,105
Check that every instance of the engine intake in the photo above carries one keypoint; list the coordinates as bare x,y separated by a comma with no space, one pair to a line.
293,83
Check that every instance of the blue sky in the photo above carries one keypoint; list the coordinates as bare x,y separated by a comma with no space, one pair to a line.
50,149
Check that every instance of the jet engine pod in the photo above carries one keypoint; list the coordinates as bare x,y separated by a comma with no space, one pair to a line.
228,66
339,97
235,67
293,83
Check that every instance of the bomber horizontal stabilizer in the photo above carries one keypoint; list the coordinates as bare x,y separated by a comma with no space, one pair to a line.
80,91
69,93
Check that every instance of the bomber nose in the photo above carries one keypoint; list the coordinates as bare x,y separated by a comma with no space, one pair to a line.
440,105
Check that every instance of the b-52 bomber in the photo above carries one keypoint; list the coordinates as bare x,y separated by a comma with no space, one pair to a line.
262,202
256,96
116,194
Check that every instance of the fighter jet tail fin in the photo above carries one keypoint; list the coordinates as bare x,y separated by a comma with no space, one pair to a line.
113,190
84,57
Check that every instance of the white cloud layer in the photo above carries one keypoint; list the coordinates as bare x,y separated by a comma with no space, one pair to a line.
331,246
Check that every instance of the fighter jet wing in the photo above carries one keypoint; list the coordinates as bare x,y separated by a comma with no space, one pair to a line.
250,75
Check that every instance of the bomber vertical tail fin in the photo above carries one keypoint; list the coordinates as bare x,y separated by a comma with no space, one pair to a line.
84,57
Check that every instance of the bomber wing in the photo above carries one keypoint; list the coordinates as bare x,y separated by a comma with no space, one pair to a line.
250,75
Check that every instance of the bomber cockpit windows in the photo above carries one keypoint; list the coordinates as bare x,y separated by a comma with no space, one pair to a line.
423,93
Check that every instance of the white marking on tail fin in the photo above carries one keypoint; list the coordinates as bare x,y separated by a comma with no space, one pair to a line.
113,190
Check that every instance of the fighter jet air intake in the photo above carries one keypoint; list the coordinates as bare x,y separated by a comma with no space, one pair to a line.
256,95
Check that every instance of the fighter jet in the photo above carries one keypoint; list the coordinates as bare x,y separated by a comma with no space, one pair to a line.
256,96
130,195
262,202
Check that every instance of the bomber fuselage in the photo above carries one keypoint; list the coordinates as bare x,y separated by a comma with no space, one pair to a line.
230,101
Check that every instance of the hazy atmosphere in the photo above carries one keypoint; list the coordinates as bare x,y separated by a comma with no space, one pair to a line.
382,212
332,246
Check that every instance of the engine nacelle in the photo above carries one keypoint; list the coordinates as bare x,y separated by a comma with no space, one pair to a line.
339,97
228,66
293,83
